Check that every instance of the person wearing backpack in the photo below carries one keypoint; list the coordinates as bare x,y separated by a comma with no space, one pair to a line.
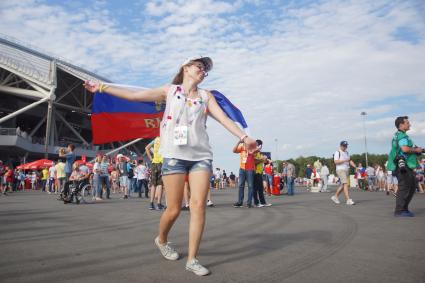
402,161
132,178
342,161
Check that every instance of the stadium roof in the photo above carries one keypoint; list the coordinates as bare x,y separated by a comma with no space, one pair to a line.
44,94
35,65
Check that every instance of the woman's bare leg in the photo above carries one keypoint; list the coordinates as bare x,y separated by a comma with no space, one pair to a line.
175,185
199,187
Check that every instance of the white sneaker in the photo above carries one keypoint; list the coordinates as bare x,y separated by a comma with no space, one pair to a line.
196,267
260,205
210,203
267,204
350,202
335,200
166,250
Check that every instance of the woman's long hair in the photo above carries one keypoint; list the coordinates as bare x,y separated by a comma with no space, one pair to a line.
99,158
178,79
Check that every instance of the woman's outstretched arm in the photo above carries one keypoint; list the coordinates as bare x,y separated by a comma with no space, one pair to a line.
231,126
155,94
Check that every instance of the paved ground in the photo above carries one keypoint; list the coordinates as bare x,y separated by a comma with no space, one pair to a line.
305,238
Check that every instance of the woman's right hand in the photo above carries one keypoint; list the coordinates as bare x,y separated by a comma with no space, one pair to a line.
91,86
250,144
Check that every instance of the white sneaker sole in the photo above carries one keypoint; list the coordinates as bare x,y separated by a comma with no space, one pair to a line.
198,272
335,201
166,257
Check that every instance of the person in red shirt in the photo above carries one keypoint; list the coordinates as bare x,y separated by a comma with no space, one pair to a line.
268,174
2,180
9,179
246,173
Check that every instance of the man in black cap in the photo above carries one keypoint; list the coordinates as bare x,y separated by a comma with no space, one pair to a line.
342,161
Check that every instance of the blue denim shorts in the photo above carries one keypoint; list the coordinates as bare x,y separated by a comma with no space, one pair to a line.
180,166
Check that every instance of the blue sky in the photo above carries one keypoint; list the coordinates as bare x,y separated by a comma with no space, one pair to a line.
300,71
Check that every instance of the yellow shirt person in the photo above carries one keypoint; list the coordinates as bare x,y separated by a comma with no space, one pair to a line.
45,174
157,157
60,170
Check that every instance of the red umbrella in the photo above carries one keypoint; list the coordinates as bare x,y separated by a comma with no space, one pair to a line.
23,166
40,164
36,165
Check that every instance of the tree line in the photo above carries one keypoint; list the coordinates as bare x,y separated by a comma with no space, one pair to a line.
301,162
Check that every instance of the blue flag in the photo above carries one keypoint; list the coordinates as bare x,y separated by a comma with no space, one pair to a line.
231,110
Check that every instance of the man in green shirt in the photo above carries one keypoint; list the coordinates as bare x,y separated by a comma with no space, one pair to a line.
403,148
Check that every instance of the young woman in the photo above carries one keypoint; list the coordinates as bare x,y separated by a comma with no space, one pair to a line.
184,147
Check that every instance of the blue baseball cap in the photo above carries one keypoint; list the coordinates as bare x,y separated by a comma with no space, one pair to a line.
343,143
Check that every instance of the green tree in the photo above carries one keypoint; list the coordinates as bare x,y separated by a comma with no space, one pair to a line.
301,162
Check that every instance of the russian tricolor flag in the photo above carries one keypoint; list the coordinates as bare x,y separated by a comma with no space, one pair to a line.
116,119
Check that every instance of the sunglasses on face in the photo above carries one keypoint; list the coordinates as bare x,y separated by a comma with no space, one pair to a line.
201,68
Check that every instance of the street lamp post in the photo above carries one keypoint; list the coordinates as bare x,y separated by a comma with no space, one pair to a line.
277,155
364,114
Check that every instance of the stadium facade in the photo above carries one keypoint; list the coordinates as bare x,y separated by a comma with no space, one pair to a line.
44,107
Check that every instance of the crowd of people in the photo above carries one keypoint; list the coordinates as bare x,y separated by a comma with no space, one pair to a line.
119,175
373,178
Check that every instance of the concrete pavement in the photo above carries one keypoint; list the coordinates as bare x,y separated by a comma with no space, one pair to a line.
304,238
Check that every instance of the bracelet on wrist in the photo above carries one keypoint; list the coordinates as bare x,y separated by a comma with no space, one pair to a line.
102,88
242,139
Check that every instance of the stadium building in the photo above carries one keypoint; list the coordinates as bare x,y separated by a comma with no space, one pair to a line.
44,107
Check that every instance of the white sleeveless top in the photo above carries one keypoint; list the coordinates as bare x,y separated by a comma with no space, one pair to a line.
183,111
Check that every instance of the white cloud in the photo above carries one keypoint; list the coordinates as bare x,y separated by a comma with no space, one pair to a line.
301,75
188,8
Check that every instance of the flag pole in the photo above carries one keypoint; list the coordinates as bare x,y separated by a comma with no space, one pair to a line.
123,146
119,148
